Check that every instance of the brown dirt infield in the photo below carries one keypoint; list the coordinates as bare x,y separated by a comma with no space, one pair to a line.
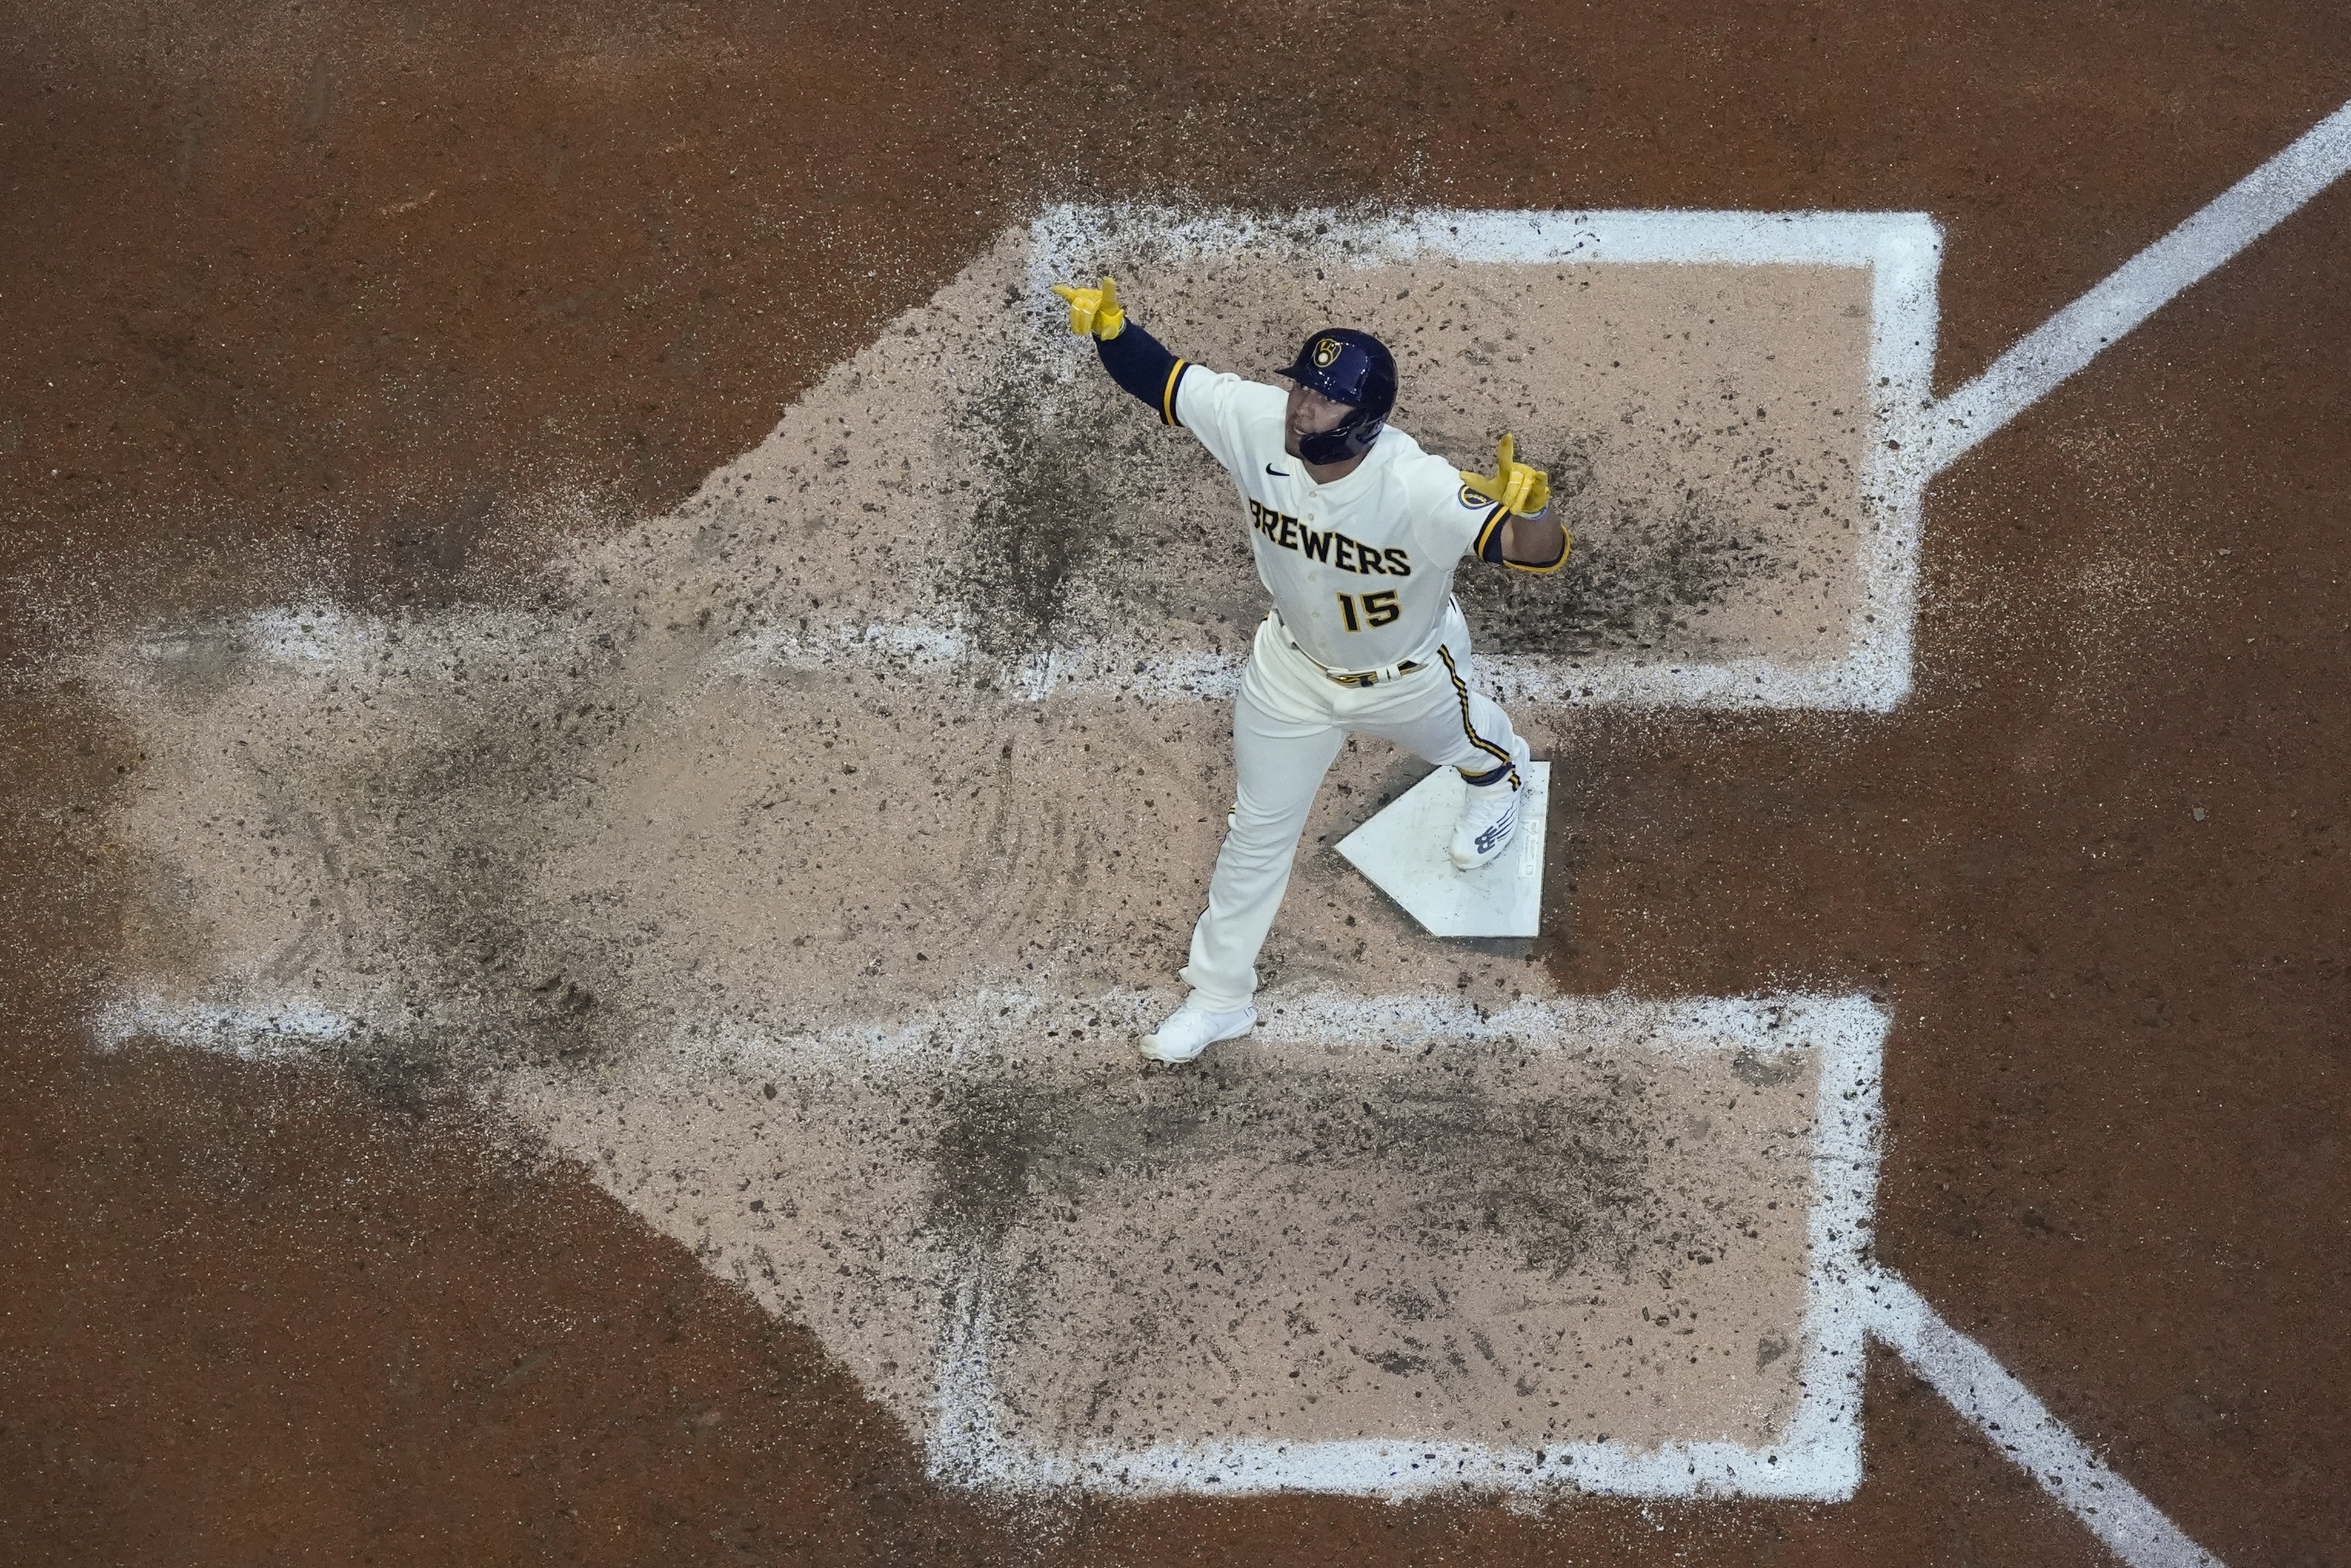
380,303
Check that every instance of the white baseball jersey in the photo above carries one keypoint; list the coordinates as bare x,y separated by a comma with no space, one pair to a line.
1361,569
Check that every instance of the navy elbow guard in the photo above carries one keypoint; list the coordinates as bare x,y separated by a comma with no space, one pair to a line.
1137,361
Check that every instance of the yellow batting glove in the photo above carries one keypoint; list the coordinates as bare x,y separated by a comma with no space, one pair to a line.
1094,312
1536,494
1519,488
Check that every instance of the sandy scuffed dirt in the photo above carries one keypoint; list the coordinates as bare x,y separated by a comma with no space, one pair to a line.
805,758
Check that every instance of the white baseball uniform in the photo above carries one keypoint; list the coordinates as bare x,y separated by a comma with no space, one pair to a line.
1364,638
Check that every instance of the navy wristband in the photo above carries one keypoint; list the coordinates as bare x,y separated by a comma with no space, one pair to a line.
1137,361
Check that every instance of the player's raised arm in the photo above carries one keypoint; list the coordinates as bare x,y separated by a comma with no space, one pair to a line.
1522,534
1134,358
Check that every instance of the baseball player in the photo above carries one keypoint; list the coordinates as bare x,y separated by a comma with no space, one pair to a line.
1356,532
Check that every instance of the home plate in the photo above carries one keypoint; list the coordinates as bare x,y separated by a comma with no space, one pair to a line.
1403,851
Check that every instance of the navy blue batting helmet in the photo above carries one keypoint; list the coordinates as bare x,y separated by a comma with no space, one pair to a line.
1353,368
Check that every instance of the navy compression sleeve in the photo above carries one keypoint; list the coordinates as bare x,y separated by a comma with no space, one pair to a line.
1136,362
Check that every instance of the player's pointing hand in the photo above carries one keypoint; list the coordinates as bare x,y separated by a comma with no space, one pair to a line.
1094,311
1521,487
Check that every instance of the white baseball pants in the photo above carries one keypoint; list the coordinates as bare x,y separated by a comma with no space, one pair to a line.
1288,724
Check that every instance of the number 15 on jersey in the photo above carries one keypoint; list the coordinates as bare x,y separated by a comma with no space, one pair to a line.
1377,609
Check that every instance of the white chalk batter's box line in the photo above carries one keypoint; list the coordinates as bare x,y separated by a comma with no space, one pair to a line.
1817,1456
1902,251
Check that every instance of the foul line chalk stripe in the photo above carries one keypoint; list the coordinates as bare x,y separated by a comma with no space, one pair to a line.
2139,288
2004,1409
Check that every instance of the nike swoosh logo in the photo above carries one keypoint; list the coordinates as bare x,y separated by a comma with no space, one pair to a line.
1275,472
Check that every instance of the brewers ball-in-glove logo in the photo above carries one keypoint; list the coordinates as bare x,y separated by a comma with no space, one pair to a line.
1325,350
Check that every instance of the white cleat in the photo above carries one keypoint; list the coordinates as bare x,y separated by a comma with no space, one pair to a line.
1490,813
1189,1031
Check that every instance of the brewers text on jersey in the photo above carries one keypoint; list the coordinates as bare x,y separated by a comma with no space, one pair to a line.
1343,553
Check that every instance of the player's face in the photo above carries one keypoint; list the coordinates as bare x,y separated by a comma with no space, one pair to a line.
1311,413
